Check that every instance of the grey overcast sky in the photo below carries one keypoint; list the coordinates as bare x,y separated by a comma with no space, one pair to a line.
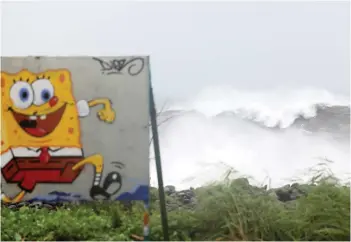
247,45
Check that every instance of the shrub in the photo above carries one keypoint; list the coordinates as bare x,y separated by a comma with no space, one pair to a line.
230,210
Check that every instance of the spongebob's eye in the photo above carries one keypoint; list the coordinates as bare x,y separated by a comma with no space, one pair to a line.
43,91
21,94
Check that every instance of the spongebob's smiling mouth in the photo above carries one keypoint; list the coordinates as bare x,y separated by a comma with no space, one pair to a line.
39,125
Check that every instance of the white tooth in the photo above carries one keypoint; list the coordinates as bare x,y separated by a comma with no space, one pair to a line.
32,117
43,116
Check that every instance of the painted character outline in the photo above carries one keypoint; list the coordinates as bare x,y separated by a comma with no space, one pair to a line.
41,131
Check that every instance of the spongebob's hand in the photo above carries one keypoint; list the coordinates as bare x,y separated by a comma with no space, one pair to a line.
106,114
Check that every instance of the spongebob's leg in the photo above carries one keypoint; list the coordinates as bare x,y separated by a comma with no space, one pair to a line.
97,161
16,199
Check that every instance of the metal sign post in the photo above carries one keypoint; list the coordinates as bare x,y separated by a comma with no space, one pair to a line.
154,128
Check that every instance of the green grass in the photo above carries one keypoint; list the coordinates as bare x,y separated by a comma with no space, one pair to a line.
229,210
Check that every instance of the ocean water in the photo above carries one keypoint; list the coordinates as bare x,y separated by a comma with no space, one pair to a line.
272,137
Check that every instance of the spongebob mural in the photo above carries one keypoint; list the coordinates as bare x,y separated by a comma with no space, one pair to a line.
52,144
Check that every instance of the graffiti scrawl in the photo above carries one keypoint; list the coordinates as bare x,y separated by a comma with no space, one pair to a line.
116,66
41,134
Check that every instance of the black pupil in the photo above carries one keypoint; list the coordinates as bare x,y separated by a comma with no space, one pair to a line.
46,95
24,94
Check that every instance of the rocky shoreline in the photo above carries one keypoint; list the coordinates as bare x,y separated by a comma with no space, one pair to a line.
186,198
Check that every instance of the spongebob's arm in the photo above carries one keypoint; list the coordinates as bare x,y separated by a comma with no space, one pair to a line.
106,114
104,101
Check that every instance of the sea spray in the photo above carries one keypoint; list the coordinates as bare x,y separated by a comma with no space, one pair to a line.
254,132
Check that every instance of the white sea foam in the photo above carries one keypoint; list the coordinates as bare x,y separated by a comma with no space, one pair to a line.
198,148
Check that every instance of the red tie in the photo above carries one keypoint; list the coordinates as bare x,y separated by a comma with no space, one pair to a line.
44,156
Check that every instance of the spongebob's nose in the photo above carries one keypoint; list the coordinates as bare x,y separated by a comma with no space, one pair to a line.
53,101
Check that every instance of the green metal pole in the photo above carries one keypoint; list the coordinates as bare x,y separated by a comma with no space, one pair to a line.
153,116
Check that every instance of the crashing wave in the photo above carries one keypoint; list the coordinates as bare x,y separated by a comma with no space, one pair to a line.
272,109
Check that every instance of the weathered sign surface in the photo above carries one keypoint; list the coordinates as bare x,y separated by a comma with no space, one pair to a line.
74,128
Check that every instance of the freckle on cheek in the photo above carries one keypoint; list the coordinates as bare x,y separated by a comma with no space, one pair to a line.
70,130
15,131
62,78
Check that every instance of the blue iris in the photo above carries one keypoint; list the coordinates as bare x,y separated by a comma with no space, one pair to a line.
45,95
24,94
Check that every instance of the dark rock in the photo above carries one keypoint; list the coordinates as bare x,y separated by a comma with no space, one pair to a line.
169,190
283,195
21,204
295,185
48,206
55,204
12,206
296,193
286,187
242,181
36,204
290,192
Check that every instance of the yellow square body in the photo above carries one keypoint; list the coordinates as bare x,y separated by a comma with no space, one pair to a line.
38,109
